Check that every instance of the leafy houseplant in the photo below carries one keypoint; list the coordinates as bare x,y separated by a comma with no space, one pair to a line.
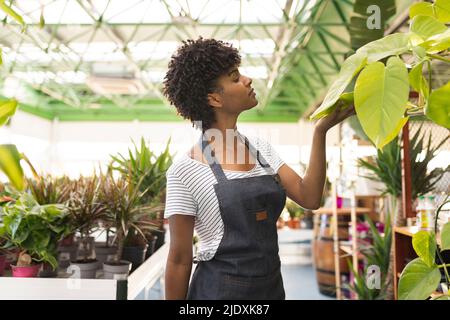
86,210
34,229
381,91
143,166
421,277
121,198
377,254
295,213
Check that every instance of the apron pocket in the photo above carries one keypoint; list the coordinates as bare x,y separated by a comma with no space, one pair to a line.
234,287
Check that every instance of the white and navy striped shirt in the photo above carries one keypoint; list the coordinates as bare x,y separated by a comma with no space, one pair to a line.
190,191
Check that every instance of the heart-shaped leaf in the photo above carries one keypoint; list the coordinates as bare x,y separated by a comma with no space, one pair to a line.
426,26
381,95
418,281
440,10
424,243
417,80
390,45
438,107
445,237
349,69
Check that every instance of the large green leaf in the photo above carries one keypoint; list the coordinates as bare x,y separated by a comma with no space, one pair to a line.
424,243
426,26
7,109
381,95
418,281
417,80
421,8
438,107
442,9
439,10
351,66
445,237
10,165
437,43
391,45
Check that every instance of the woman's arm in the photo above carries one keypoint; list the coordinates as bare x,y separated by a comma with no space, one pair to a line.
179,261
307,191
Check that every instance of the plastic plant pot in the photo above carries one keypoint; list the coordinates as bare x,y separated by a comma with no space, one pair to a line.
25,272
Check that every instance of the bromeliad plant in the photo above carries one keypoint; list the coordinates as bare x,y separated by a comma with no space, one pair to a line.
34,229
381,91
421,276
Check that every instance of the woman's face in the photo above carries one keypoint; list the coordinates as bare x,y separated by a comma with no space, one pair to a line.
237,94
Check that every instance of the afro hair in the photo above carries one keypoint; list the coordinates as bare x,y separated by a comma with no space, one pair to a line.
192,74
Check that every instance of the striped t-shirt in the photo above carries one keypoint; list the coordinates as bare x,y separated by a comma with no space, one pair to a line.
190,191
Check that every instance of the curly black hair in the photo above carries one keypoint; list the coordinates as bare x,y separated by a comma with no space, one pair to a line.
193,73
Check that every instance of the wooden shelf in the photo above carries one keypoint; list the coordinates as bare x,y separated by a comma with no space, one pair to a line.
349,252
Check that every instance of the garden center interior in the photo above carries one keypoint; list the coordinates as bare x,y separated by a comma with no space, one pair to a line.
84,123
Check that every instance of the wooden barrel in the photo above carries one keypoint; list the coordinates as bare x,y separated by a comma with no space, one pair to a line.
323,251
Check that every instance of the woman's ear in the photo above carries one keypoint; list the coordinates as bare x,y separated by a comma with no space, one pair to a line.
215,100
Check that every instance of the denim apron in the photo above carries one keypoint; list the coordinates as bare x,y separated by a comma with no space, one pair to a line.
246,264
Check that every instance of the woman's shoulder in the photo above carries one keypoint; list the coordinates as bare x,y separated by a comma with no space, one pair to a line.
183,165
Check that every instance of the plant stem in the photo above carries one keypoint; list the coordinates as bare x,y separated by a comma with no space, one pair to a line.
437,57
444,265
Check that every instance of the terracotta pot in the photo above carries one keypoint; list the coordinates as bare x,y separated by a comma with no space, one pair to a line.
294,223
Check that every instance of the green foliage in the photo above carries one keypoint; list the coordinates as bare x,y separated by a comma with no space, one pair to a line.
386,167
295,211
124,211
34,228
143,164
376,254
382,90
421,277
85,205
10,165
381,94
49,190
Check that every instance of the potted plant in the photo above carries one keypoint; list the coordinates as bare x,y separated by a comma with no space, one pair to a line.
143,164
35,230
421,277
121,198
376,253
295,212
386,168
86,210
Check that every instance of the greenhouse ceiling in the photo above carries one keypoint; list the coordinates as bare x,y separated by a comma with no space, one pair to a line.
105,59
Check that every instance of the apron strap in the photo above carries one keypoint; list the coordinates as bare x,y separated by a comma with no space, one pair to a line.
217,169
258,156
212,161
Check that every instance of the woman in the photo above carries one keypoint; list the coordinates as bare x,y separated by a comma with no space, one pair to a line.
233,203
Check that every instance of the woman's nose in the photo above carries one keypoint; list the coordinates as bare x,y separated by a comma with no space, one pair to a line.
248,81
